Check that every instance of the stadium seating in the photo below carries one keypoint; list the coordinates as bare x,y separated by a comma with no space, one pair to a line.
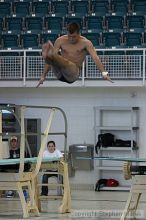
135,22
34,23
0,41
114,53
132,39
94,37
54,22
22,8
134,52
80,6
104,22
119,6
112,39
49,35
100,7
14,23
5,9
1,25
40,8
60,7
114,23
138,6
10,40
94,22
145,39
29,40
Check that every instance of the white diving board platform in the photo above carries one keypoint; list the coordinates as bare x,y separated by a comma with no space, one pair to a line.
113,159
26,160
20,180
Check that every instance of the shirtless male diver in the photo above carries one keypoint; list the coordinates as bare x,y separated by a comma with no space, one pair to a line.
67,55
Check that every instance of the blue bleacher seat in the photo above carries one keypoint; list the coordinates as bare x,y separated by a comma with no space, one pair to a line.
29,40
114,22
114,52
60,7
132,39
99,52
52,36
1,25
135,22
33,54
40,7
78,6
139,6
100,6
78,18
94,22
22,8
54,22
5,9
14,23
7,1
93,36
0,41
134,52
111,39
34,23
10,40
120,6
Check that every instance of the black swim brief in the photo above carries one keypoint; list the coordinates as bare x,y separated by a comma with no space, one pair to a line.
63,79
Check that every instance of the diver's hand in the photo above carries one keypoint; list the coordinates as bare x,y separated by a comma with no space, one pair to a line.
42,79
106,76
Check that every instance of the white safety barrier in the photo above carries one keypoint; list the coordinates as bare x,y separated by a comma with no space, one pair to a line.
120,63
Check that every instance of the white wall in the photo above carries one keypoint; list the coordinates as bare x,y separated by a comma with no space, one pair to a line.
78,105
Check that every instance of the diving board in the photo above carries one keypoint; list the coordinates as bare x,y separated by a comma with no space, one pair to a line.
59,168
138,185
19,181
26,160
113,159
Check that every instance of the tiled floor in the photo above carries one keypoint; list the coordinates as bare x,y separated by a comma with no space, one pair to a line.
85,205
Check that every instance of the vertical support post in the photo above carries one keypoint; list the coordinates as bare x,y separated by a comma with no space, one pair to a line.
24,68
44,142
22,143
83,74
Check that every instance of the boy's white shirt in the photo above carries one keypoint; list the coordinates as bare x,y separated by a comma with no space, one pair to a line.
55,154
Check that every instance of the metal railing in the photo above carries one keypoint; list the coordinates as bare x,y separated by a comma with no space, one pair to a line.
121,64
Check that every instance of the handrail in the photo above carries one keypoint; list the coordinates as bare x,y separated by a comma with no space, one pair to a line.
124,66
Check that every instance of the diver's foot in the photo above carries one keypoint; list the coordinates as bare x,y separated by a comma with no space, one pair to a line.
51,49
47,50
